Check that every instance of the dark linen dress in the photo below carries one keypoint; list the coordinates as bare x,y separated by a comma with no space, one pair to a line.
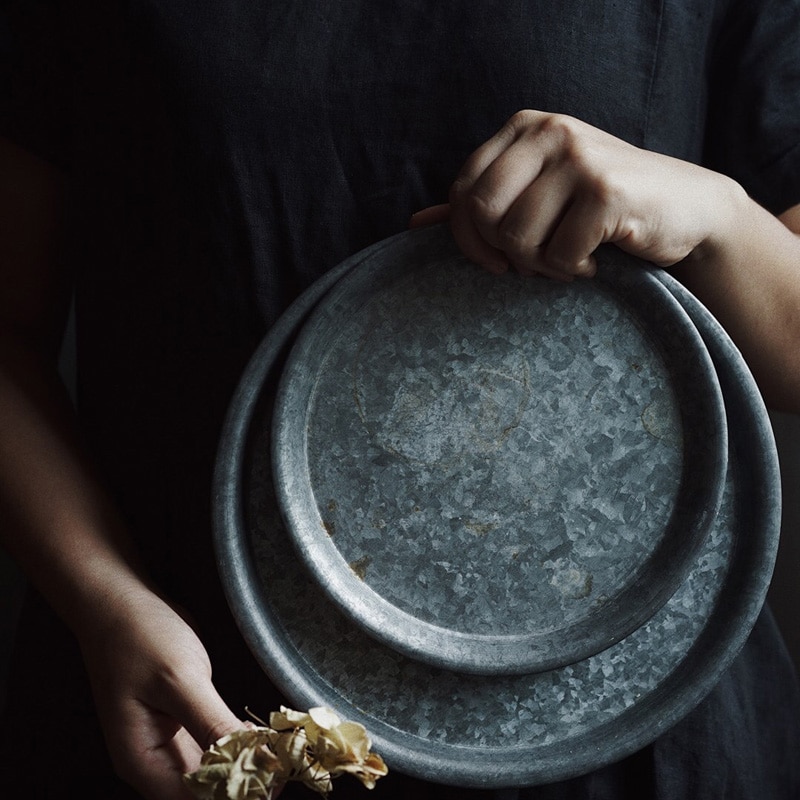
222,155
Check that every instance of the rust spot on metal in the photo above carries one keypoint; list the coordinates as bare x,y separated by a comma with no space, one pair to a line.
360,567
480,528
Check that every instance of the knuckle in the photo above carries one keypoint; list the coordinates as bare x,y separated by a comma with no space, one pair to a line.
603,188
575,146
485,208
564,129
520,121
523,123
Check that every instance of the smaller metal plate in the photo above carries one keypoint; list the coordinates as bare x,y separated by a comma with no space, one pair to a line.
497,475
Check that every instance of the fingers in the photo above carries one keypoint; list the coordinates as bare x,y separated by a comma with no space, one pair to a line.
543,193
518,200
526,230
488,197
212,722
574,240
157,772
480,196
201,711
159,743
430,216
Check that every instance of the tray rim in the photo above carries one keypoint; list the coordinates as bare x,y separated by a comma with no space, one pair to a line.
479,653
711,654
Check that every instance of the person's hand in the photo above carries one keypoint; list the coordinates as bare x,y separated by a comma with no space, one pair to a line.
151,679
547,189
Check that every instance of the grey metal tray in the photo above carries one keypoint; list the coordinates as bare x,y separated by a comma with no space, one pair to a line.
497,475
495,731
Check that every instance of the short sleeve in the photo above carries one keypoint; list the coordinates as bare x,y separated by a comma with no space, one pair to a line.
35,78
753,131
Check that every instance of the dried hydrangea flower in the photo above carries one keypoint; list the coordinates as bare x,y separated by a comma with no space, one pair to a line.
340,747
240,766
311,748
287,719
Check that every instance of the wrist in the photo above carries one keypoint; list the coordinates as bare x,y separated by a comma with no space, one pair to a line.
90,580
726,238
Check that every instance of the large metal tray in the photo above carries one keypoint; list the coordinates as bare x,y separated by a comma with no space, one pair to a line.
489,731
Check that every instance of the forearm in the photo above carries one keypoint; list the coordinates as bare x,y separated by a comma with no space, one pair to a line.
58,522
150,675
748,275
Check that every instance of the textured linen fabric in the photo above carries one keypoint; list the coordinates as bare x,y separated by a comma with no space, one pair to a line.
224,155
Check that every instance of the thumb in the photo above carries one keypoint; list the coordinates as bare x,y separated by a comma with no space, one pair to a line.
430,216
203,713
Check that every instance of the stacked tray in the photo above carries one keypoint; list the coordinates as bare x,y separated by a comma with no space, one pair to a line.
516,528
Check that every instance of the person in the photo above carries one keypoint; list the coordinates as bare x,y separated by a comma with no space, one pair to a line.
186,169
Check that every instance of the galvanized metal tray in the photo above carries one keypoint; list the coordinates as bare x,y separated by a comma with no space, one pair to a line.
495,731
497,475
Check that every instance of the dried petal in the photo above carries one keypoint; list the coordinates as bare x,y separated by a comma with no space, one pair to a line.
240,766
325,718
367,771
208,783
287,718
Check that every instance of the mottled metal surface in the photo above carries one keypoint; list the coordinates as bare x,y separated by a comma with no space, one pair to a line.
497,475
496,731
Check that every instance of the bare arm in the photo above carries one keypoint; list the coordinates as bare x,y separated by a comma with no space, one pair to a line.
39,453
150,674
750,280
